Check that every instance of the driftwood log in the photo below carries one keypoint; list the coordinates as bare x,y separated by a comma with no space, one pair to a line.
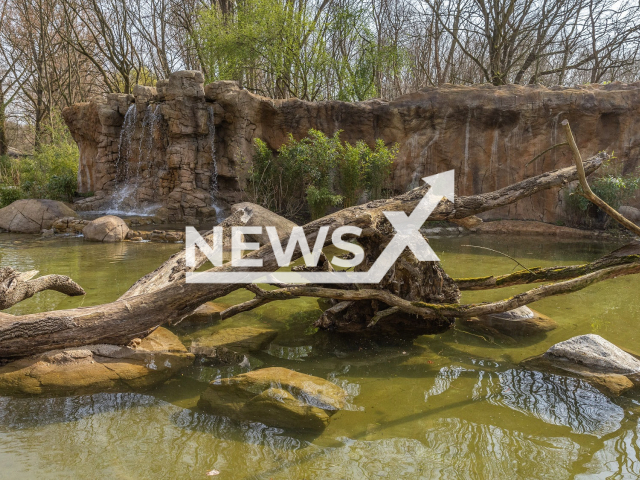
163,296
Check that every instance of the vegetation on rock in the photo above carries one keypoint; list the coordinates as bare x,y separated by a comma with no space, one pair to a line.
318,172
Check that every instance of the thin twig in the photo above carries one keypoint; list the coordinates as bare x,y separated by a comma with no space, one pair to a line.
541,154
503,254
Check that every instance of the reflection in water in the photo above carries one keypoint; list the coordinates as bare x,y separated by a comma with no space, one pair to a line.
559,400
445,406
619,457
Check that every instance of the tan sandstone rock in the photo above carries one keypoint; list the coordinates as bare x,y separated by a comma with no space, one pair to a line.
106,229
518,322
33,216
97,368
277,397
256,216
486,134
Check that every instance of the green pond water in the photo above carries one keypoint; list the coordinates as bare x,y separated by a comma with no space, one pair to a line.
455,405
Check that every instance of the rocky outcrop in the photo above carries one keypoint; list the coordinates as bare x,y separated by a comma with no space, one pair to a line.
529,228
277,397
106,229
97,368
33,216
487,134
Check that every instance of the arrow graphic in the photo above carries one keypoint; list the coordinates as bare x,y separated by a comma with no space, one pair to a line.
407,236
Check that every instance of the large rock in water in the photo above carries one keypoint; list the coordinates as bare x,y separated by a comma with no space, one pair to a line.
595,352
256,216
594,359
106,229
33,216
277,397
97,368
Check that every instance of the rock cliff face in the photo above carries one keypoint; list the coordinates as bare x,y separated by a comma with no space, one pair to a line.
187,147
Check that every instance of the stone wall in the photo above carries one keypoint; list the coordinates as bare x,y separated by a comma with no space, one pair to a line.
487,134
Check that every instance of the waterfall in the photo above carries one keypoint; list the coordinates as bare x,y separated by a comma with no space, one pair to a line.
124,198
125,141
213,182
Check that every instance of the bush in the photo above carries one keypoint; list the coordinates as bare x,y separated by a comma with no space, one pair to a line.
51,172
8,195
317,172
613,187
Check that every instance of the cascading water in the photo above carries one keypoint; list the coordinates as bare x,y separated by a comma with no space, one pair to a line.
124,199
213,182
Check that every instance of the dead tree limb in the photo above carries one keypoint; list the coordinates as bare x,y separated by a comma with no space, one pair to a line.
170,298
550,274
435,311
18,286
586,189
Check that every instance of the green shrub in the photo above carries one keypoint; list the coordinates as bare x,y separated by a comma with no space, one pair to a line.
51,172
320,199
9,194
612,186
317,172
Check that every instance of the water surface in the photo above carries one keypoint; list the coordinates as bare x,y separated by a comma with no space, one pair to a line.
455,405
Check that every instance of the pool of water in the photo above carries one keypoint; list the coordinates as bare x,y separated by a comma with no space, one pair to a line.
455,405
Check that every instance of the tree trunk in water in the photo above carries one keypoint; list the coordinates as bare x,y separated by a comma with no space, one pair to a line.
409,279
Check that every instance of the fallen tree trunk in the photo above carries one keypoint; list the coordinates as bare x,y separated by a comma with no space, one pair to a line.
164,297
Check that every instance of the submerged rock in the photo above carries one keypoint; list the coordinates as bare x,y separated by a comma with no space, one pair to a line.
207,313
97,368
106,229
231,345
33,216
277,397
520,321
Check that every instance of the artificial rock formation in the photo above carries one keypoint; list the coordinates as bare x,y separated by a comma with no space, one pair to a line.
97,368
277,397
33,216
108,229
186,146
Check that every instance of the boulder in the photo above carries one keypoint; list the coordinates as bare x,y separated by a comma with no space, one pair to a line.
97,368
257,216
596,353
632,213
207,313
69,225
33,216
106,229
592,358
277,397
520,321
231,345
